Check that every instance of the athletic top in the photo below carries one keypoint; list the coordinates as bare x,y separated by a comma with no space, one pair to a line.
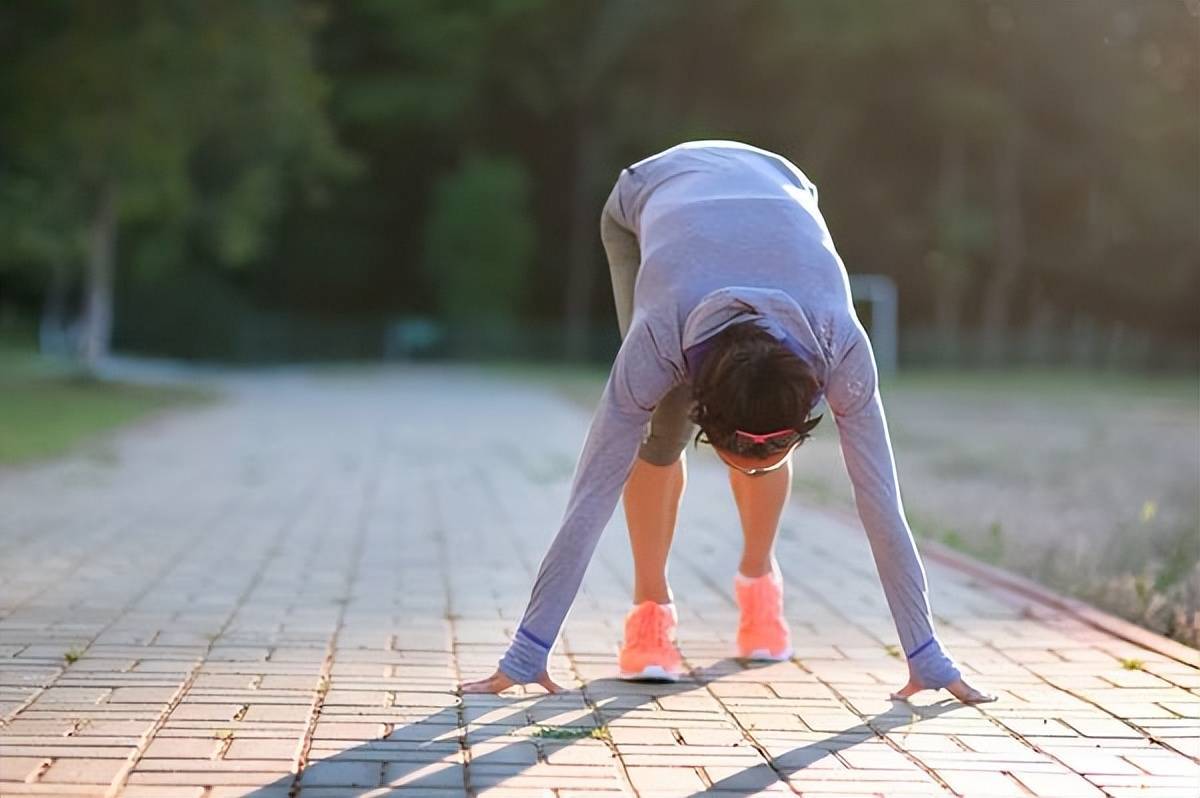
731,233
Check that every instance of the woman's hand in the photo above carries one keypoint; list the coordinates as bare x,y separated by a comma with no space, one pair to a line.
958,688
500,681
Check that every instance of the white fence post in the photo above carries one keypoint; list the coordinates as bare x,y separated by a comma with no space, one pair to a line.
880,291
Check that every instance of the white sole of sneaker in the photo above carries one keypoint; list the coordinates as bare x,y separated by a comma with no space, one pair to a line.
651,673
763,655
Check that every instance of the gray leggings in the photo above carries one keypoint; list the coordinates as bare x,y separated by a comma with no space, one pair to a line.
670,429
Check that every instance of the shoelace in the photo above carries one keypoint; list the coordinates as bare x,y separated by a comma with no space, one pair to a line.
763,601
651,627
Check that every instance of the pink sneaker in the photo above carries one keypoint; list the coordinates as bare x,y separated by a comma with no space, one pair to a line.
648,651
762,633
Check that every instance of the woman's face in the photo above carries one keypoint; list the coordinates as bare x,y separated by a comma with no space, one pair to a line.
755,466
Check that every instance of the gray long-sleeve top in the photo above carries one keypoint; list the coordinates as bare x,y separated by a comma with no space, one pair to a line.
730,233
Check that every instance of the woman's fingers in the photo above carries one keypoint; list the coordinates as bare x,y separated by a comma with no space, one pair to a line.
545,681
495,683
500,681
907,690
968,694
958,688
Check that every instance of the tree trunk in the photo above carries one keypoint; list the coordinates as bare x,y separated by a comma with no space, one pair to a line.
948,264
1010,222
1010,244
1042,340
96,334
52,328
582,240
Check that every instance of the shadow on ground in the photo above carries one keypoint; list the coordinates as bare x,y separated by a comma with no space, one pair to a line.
426,753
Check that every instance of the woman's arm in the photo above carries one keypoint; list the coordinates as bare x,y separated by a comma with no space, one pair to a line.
639,379
853,397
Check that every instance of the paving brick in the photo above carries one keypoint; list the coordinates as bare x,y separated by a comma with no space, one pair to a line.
974,782
1164,764
10,788
169,748
1057,785
216,778
331,773
1144,782
82,771
678,780
759,779
440,775
261,749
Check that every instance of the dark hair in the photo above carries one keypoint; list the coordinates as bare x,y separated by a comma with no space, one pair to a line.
750,380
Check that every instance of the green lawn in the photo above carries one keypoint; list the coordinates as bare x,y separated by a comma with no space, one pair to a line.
48,407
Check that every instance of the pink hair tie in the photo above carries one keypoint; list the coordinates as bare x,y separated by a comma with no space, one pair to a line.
756,438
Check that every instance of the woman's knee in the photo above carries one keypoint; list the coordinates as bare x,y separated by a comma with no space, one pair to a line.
661,451
671,428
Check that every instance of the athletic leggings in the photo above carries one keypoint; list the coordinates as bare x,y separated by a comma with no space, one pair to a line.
670,428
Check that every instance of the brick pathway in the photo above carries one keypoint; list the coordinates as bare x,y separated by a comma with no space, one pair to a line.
277,596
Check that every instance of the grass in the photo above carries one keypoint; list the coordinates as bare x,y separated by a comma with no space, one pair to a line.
571,732
1132,664
1068,385
49,407
580,383
72,656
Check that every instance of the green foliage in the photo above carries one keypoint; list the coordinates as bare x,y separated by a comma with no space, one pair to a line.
210,119
203,119
39,224
480,240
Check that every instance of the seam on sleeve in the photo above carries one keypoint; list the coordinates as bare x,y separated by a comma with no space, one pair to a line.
854,383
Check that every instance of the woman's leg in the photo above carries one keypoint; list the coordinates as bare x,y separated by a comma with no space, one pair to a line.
655,485
624,257
652,497
762,630
654,491
652,494
760,501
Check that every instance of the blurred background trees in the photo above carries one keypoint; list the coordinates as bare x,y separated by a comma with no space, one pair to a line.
273,179
185,124
480,216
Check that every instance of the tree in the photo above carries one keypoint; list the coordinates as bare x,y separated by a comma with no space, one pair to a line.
455,67
192,120
480,241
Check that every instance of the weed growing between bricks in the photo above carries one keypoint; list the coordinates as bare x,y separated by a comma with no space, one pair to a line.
572,732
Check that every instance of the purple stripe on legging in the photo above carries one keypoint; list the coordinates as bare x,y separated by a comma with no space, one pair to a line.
522,630
921,648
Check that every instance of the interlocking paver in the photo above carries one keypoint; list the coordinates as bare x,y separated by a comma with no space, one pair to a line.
277,595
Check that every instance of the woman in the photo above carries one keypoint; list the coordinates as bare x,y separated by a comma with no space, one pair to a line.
736,317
